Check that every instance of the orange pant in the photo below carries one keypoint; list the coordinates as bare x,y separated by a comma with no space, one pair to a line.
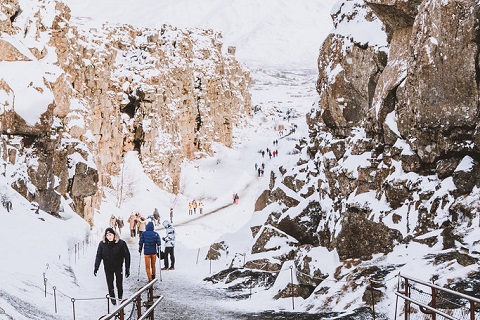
150,265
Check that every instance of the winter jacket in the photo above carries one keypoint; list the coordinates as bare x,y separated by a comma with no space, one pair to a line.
149,240
113,222
142,224
113,253
120,222
170,237
133,221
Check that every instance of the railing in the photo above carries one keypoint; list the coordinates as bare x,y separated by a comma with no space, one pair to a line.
425,300
136,301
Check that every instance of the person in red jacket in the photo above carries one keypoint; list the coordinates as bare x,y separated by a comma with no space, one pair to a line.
113,251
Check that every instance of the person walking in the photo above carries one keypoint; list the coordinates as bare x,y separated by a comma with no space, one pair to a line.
142,223
171,215
120,224
194,206
113,222
156,216
200,206
150,242
190,208
133,223
113,252
169,246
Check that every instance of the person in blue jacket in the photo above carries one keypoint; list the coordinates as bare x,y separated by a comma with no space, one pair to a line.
113,251
150,242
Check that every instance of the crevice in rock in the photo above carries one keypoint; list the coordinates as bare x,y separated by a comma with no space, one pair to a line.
134,103
15,15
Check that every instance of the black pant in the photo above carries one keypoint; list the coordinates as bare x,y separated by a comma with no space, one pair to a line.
119,281
169,252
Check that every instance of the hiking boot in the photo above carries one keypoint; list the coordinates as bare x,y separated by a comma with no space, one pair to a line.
114,302
172,268
153,276
164,268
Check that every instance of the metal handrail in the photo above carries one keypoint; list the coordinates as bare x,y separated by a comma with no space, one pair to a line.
431,285
147,312
425,306
431,307
131,299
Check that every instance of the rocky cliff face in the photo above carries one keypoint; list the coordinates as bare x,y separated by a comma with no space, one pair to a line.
167,94
392,157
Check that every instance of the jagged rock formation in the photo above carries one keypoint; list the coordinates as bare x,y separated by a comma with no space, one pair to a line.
392,157
167,94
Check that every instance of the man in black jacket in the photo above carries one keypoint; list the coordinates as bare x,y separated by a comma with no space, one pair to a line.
113,252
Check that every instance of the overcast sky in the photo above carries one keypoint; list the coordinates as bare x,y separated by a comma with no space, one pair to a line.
283,33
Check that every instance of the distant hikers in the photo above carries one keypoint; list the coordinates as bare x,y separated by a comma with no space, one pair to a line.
142,223
113,251
194,206
200,207
235,198
190,209
150,243
156,216
169,246
113,222
171,215
120,224
132,220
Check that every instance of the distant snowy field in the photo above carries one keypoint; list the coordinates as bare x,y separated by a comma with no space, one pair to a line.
281,33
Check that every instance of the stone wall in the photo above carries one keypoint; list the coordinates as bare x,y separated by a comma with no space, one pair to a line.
167,94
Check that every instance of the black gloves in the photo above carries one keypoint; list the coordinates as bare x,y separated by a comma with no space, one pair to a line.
95,272
127,273
158,254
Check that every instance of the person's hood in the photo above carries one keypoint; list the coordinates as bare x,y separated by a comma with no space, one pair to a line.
116,238
150,226
166,224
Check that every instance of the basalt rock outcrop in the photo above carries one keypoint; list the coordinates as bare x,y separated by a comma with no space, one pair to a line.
167,94
392,154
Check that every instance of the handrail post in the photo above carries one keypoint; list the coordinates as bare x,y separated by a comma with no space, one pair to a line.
472,310
73,307
434,302
150,301
55,297
139,306
407,293
122,312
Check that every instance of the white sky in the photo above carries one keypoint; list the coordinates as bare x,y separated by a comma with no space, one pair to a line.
267,32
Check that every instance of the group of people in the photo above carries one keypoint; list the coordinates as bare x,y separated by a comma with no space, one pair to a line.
235,198
116,223
260,169
114,253
192,207
137,223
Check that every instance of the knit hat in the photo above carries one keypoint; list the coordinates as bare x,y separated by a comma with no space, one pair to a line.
109,230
